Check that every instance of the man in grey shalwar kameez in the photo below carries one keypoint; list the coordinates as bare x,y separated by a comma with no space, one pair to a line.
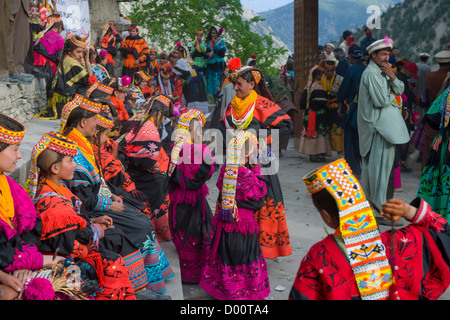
380,123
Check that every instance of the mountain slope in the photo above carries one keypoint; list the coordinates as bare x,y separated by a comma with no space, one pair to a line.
334,18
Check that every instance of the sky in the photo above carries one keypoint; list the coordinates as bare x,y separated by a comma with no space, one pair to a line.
264,5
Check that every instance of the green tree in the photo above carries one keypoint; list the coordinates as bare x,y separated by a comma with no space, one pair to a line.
170,21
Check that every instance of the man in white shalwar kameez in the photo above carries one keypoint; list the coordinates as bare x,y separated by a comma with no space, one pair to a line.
380,123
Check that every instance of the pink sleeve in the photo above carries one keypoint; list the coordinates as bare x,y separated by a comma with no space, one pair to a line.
250,184
28,258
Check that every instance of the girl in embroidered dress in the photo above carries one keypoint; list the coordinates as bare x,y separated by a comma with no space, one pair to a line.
252,108
20,226
235,268
191,166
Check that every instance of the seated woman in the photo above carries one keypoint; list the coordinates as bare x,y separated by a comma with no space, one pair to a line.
47,50
20,226
73,76
145,159
138,86
94,244
79,123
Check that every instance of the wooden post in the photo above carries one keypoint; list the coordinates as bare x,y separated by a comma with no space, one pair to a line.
306,41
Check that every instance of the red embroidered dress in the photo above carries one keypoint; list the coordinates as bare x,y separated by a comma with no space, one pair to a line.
418,256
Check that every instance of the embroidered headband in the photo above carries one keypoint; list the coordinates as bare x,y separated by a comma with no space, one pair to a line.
78,43
143,75
52,141
184,122
99,86
10,136
104,121
234,153
365,250
78,101
164,99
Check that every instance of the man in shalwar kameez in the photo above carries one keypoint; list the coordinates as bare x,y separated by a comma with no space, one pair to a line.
380,124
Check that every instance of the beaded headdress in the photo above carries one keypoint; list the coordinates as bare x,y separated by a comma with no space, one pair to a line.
78,101
233,161
78,43
99,86
52,141
9,136
143,75
365,250
184,122
104,121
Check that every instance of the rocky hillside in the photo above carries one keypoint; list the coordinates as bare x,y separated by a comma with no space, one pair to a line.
416,26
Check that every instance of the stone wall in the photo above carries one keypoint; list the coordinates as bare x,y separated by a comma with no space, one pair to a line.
23,101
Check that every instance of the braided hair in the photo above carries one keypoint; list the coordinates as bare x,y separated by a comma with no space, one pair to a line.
75,117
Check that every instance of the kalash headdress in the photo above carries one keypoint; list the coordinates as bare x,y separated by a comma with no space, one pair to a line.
8,136
365,250
79,43
78,101
52,141
99,86
234,155
104,121
184,122
235,70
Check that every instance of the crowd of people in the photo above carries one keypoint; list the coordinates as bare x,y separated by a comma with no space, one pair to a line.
129,168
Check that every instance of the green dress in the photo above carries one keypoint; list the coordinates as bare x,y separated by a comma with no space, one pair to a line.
434,185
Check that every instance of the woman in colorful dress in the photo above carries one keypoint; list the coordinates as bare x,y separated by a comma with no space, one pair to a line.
73,76
79,124
135,53
145,160
110,39
315,140
20,226
434,181
252,108
235,268
191,166
216,49
47,50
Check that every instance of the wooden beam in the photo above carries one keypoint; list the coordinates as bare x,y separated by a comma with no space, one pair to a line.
306,41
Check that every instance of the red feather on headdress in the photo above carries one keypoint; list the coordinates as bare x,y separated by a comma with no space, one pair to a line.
234,64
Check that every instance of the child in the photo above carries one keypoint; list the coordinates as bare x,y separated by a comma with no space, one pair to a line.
408,264
236,268
93,243
192,165
19,223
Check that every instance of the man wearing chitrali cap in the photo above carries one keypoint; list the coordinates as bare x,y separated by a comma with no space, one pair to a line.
380,124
